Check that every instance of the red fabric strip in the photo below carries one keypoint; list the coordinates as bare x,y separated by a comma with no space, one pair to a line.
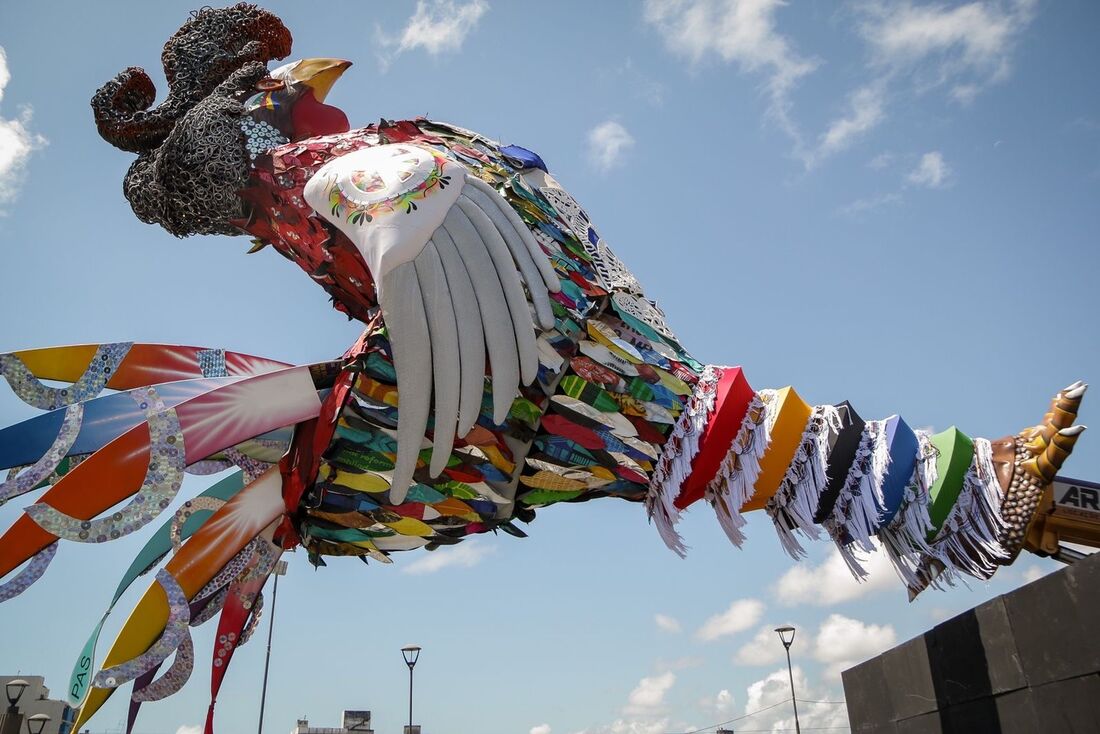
731,403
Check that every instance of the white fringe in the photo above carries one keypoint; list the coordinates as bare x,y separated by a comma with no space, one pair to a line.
674,466
926,464
906,538
666,528
793,506
860,504
735,481
968,541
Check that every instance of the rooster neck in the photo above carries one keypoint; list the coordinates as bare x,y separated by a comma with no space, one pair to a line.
297,114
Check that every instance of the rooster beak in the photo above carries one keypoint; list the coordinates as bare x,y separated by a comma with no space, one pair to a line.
317,74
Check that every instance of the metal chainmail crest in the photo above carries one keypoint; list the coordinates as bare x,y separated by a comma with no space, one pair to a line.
187,176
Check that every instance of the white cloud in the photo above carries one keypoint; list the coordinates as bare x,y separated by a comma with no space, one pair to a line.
465,555
721,702
881,161
842,642
17,142
644,711
540,729
865,111
1034,573
631,726
866,204
667,623
189,729
966,46
932,171
764,648
741,615
963,48
607,142
437,26
776,689
649,695
831,582
941,614
736,31
965,93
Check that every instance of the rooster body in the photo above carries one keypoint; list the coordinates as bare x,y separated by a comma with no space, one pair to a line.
509,361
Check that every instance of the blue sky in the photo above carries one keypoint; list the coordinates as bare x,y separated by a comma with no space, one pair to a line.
888,202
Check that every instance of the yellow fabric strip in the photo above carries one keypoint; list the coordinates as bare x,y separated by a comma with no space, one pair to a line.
793,413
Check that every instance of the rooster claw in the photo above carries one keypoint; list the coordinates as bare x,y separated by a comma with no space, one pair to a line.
1029,463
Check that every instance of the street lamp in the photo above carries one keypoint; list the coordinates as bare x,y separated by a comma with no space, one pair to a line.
36,723
11,720
786,636
14,689
411,653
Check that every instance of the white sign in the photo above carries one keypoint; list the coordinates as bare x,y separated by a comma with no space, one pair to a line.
1077,497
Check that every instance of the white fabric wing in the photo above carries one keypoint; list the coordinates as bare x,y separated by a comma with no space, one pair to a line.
451,260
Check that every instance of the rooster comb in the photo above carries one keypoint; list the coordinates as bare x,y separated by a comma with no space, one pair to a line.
210,46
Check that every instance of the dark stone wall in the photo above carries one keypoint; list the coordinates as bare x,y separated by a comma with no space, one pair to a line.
1026,662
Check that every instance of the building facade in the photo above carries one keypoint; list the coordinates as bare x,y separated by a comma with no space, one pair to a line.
1025,662
352,722
36,700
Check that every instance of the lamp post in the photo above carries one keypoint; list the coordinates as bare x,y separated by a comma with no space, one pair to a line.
12,720
786,635
279,570
411,653
36,723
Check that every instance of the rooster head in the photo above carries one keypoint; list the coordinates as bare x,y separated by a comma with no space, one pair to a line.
291,99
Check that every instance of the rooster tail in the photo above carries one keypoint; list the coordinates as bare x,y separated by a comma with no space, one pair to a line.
38,451
89,368
181,526
213,554
146,463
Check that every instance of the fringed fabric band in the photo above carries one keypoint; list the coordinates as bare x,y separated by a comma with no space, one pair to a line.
174,678
905,539
732,487
38,472
206,608
859,507
179,616
236,566
967,542
674,465
253,620
30,573
793,506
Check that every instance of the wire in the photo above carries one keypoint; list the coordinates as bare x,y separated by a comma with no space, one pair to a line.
805,728
738,718
766,708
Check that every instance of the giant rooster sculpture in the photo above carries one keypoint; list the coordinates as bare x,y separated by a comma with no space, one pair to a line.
509,361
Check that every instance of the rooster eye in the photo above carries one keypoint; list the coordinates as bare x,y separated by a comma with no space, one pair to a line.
269,85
